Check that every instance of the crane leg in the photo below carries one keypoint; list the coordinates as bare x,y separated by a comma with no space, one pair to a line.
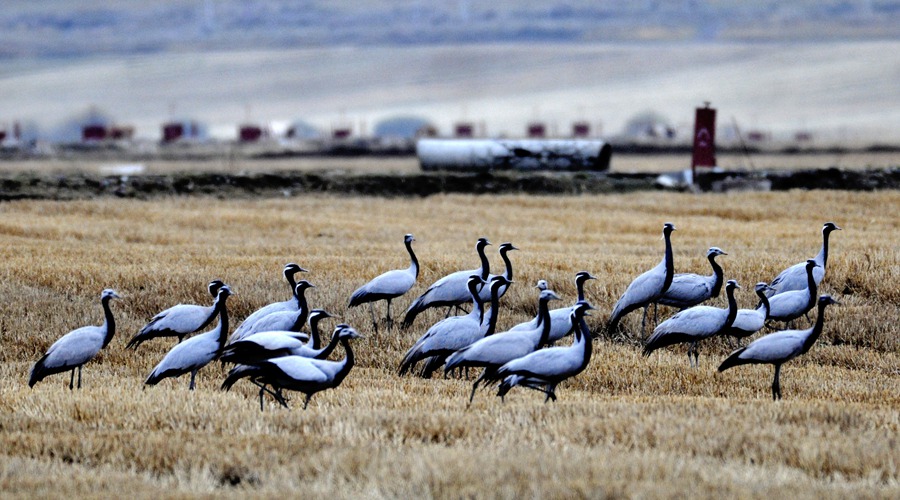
305,402
776,386
644,322
193,377
79,376
374,321
72,380
475,386
390,322
261,391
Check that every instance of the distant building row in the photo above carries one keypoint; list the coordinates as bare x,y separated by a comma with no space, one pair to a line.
408,128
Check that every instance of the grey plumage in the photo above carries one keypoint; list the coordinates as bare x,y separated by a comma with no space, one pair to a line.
780,347
693,325
451,289
287,320
789,306
291,304
196,352
449,334
388,286
794,277
276,343
77,347
296,373
179,320
688,289
749,321
500,348
560,318
646,288
544,369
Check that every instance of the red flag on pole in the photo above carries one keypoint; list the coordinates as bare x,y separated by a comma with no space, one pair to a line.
704,138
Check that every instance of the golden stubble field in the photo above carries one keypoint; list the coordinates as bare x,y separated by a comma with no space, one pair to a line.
627,426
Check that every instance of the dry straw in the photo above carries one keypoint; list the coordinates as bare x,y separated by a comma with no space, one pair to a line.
627,426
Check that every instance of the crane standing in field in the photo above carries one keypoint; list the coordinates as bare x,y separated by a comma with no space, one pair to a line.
789,306
77,347
388,286
780,347
794,277
290,270
451,289
297,373
689,289
693,325
500,348
288,320
749,321
197,351
646,288
179,320
544,369
449,334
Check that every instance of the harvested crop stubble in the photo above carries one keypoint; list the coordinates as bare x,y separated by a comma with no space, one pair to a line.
627,426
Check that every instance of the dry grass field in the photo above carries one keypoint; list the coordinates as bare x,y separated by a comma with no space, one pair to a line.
627,426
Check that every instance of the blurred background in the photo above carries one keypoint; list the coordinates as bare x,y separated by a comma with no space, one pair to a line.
780,73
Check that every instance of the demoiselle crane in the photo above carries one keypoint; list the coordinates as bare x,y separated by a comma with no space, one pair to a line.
77,347
267,345
451,289
488,328
789,306
388,286
646,288
544,369
290,320
693,325
449,334
196,352
290,270
500,348
794,277
296,373
749,321
780,347
688,289
179,320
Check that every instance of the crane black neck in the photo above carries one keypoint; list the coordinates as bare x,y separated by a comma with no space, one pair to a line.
349,361
485,264
332,344
719,275
314,336
108,321
732,306
414,262
669,259
508,273
544,313
495,304
816,329
763,300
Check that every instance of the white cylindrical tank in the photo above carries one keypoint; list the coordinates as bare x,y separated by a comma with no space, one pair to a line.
488,154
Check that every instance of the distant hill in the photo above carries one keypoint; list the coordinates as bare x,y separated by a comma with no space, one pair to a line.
55,28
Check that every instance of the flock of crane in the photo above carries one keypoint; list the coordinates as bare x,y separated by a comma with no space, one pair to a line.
270,350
